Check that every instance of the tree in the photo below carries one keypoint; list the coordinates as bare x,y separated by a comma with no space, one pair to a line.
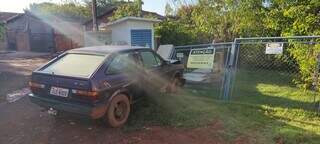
103,5
124,11
168,10
74,8
248,18
128,9
221,20
173,32
65,10
224,20
298,18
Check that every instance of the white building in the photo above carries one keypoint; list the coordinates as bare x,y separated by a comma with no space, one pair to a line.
134,31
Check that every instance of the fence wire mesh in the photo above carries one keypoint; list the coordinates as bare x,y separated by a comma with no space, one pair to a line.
255,78
204,81
271,80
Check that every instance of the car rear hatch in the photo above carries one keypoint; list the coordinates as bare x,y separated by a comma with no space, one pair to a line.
67,78
60,87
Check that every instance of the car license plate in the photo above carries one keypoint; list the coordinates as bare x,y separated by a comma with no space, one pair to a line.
59,91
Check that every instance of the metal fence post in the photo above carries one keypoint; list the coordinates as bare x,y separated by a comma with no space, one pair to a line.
229,71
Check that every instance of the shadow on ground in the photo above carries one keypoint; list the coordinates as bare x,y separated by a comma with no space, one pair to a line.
10,82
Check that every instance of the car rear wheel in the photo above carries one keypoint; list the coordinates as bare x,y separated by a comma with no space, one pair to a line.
118,111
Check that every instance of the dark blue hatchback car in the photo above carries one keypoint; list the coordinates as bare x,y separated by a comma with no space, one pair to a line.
102,82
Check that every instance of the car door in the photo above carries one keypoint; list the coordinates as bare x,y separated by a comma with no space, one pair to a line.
116,71
123,72
154,68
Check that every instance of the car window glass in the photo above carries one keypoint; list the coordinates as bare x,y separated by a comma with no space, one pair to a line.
76,65
119,64
148,60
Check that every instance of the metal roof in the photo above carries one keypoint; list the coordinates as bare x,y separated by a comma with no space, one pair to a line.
5,16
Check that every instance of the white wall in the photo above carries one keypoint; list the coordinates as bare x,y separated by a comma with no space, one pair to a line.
97,38
121,32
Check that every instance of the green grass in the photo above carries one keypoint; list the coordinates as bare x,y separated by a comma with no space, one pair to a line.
291,109
265,107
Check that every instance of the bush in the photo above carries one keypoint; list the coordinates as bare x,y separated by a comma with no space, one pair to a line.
306,57
174,32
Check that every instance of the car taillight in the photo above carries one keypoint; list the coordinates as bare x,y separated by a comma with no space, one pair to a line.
85,93
34,85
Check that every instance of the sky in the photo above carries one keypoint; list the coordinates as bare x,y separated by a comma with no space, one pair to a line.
18,5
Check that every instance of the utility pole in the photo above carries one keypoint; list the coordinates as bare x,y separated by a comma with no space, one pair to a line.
94,16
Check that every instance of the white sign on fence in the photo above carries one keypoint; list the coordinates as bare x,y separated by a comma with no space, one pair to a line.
201,58
179,55
274,48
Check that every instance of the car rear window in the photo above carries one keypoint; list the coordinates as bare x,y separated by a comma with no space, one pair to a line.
76,65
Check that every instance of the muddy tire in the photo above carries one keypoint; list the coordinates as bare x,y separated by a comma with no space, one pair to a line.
118,111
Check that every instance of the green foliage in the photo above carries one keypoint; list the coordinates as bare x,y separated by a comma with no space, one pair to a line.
172,32
128,9
220,21
65,10
210,19
226,20
306,57
298,18
72,8
294,17
168,10
125,10
102,5
181,29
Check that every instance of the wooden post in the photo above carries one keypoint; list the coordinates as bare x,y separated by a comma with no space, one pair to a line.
28,31
94,16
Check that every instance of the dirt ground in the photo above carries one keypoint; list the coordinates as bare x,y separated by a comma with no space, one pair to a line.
22,62
23,122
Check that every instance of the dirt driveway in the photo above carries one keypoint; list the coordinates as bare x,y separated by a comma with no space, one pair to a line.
22,62
23,122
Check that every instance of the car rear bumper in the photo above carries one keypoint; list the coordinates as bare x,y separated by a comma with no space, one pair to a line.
94,112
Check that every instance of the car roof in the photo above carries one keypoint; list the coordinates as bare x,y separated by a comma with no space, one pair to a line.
104,50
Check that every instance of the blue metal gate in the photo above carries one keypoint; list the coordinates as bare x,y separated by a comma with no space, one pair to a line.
141,37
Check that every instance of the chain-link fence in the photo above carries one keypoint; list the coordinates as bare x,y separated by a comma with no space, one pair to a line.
204,81
269,72
255,71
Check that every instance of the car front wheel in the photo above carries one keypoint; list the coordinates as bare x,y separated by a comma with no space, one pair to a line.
174,85
118,111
